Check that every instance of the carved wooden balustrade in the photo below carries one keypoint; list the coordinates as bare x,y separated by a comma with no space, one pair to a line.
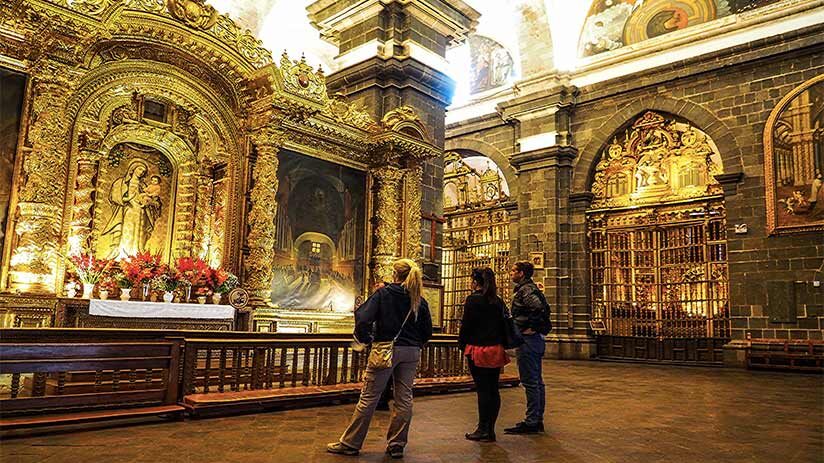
234,365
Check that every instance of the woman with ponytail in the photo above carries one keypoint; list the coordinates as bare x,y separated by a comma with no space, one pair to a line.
481,338
394,312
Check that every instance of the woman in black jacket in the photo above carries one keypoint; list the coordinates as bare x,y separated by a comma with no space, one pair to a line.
481,338
394,312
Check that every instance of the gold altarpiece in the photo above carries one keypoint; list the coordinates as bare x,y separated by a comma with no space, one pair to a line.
657,239
173,104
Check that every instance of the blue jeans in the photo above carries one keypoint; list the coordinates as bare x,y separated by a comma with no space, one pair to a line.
529,368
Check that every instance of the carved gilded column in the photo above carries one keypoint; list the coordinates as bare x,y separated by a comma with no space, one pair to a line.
261,218
387,221
87,164
203,214
413,180
185,211
42,193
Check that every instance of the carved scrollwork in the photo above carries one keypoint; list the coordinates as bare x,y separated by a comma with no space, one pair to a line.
194,13
659,160
262,229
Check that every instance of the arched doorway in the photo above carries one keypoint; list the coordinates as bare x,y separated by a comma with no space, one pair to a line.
657,244
477,214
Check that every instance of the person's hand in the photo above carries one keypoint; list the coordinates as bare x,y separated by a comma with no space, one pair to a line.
529,331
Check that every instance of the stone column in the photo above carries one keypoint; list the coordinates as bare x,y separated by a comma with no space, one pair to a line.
388,212
261,218
407,42
41,195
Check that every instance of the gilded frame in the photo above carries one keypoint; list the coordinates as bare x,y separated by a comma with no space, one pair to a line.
773,228
433,293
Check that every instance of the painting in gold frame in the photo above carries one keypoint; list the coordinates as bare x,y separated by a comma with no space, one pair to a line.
433,293
794,161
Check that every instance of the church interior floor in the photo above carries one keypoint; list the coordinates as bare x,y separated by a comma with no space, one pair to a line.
596,412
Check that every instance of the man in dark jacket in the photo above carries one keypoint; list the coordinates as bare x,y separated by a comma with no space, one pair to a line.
528,313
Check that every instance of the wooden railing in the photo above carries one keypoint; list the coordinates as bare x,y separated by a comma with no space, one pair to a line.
68,383
223,365
97,373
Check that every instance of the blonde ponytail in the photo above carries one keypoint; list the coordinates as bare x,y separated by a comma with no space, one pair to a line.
410,276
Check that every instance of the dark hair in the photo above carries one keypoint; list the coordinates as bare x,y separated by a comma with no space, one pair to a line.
485,278
526,267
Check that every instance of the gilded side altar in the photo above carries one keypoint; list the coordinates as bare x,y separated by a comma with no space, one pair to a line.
160,126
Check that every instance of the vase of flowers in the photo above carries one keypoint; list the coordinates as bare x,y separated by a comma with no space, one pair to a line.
88,290
202,293
89,271
191,271
140,269
221,282
125,286
166,282
104,294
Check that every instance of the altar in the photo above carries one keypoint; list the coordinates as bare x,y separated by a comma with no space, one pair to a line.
97,313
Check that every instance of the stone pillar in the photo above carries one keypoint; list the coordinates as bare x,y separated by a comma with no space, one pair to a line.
392,54
387,220
261,218
41,196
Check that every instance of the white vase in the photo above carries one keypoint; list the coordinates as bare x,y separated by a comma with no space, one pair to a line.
216,298
201,299
71,291
88,289
125,294
104,294
168,296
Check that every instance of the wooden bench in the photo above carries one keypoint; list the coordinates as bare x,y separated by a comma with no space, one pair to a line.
783,354
126,380
254,401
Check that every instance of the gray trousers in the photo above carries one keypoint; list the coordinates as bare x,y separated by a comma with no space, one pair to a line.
405,361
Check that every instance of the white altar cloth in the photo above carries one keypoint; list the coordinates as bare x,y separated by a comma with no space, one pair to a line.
141,309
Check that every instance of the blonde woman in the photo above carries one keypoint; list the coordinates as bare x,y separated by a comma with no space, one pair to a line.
397,311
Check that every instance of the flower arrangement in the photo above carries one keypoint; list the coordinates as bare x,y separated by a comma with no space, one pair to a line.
140,268
221,281
89,269
192,270
165,281
107,283
123,281
203,291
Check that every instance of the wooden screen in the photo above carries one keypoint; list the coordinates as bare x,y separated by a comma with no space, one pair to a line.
665,279
473,239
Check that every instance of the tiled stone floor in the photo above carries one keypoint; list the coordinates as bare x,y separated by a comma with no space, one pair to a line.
597,412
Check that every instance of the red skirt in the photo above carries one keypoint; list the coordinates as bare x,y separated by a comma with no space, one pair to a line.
487,356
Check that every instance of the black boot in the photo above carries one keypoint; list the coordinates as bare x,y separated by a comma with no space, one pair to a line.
481,435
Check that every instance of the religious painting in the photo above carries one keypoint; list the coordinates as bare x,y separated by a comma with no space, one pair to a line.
537,259
657,159
612,24
433,294
492,65
134,202
794,160
12,89
320,235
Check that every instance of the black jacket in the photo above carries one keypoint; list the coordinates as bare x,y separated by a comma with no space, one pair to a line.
384,311
527,307
482,323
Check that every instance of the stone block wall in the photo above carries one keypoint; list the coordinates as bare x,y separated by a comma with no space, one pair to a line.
729,95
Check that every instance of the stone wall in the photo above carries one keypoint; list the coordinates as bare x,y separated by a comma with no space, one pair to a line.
729,95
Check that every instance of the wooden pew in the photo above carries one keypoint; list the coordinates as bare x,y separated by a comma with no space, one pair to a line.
123,377
783,354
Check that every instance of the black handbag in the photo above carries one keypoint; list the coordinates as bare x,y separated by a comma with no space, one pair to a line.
512,335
